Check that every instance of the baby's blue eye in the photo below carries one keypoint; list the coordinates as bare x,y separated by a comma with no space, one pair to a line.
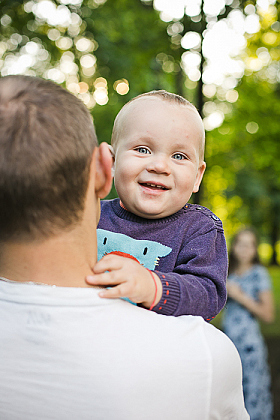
179,156
143,150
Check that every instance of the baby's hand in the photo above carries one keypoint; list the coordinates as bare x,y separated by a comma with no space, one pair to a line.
126,278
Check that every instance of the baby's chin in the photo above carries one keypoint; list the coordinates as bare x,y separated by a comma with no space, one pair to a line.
152,215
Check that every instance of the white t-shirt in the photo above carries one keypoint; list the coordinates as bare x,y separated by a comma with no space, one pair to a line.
66,354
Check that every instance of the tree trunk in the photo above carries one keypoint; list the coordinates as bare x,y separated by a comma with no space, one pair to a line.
274,234
197,198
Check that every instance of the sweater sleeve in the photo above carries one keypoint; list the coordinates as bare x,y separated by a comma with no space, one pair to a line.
197,285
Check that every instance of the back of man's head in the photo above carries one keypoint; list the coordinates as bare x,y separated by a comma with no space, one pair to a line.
46,142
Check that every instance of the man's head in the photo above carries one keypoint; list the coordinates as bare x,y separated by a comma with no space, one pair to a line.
47,140
158,142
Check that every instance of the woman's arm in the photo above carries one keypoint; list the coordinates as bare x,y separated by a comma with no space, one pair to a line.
262,309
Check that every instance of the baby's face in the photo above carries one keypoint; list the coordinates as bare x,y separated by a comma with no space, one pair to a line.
157,157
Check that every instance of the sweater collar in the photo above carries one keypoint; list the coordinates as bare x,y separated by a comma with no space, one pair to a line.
127,215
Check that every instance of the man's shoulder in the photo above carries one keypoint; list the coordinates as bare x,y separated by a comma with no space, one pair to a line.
220,346
190,330
226,376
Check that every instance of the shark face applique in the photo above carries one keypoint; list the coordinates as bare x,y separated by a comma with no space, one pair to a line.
146,252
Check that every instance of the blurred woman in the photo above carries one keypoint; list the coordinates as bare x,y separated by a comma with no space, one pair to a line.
249,299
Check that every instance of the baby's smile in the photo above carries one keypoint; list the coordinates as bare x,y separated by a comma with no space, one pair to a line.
153,186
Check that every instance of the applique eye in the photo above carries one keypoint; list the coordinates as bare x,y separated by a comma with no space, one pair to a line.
145,251
104,241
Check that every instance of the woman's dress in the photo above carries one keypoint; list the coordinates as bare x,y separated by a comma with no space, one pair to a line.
243,329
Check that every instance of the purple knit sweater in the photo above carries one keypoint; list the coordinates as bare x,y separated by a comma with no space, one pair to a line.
187,250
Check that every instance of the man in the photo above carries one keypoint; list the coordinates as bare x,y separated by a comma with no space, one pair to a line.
65,353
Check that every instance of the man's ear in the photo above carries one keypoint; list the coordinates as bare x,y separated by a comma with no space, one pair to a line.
199,176
103,167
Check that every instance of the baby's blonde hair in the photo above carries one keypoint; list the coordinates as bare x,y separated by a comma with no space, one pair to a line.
166,96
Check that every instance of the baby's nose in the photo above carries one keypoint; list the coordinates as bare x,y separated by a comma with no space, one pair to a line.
159,164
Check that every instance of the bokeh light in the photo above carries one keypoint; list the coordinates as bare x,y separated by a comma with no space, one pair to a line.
121,86
101,91
191,40
47,11
252,127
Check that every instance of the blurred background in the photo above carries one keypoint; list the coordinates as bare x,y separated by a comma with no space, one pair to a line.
222,55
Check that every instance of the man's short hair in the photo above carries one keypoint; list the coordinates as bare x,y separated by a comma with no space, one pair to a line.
46,142
164,95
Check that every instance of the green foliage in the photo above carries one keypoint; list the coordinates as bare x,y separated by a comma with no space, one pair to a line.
274,329
245,149
130,36
250,162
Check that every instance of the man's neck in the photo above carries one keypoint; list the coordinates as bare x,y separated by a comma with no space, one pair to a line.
64,260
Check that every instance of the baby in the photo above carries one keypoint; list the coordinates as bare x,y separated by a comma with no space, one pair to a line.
177,253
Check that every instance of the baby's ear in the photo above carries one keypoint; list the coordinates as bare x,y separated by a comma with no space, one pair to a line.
113,157
103,165
111,151
199,176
